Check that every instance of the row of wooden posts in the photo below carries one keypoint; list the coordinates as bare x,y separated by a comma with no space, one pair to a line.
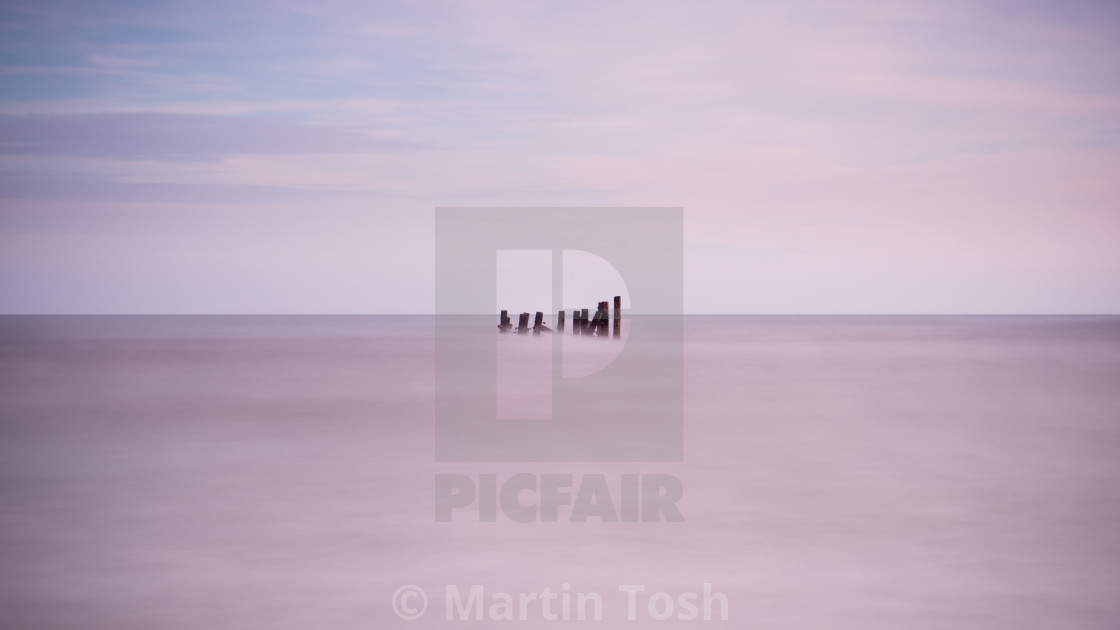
596,326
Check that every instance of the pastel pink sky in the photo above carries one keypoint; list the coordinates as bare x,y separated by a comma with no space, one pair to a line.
851,157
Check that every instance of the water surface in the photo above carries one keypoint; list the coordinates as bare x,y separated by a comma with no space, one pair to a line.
840,472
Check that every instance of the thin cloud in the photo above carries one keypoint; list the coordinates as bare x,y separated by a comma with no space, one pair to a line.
158,136
78,187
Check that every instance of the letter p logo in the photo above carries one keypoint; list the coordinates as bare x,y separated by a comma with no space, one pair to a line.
629,410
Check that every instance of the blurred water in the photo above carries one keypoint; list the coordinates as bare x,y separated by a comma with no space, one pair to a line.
840,472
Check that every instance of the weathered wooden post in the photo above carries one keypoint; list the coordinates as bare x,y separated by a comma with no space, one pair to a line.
537,323
584,329
523,323
560,321
617,316
602,315
504,324
575,321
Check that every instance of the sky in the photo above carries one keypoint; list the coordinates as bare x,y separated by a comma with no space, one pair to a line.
831,157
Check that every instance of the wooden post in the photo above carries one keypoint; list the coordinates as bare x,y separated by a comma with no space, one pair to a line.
583,322
560,321
575,322
537,323
603,325
617,316
523,323
504,324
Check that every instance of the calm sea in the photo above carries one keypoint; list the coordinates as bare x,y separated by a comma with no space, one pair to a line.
839,472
